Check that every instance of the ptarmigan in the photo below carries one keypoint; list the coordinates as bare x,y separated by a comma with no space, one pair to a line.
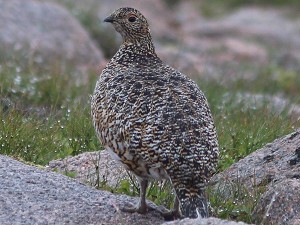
153,119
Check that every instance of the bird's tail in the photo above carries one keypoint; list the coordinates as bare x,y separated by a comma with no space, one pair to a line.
193,203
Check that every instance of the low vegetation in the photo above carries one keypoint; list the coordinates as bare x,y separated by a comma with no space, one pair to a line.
215,8
45,115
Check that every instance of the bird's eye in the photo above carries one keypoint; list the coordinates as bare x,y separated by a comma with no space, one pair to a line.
132,19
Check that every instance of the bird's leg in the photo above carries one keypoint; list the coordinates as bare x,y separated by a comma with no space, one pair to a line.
174,213
141,206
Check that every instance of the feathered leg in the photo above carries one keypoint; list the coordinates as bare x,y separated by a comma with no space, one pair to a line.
174,213
141,206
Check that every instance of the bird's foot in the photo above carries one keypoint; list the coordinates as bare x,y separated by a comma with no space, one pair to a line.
173,214
142,209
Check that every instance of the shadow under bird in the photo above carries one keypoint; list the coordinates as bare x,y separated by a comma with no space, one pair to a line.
154,120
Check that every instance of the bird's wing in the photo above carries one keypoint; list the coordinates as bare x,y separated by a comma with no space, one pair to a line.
169,120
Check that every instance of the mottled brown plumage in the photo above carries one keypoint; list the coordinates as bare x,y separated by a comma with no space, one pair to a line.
153,119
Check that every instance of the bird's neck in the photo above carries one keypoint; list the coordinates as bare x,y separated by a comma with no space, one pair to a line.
131,54
140,45
136,52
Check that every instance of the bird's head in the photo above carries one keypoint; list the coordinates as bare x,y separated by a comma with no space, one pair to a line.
131,24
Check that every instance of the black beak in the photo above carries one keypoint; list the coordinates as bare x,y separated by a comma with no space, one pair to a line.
109,19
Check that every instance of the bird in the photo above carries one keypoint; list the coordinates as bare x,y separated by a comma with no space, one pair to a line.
154,120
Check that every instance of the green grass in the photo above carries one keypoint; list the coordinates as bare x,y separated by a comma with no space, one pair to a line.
234,201
243,129
213,8
40,140
45,115
237,3
273,80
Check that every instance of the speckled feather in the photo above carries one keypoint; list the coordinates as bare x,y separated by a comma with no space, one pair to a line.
153,119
